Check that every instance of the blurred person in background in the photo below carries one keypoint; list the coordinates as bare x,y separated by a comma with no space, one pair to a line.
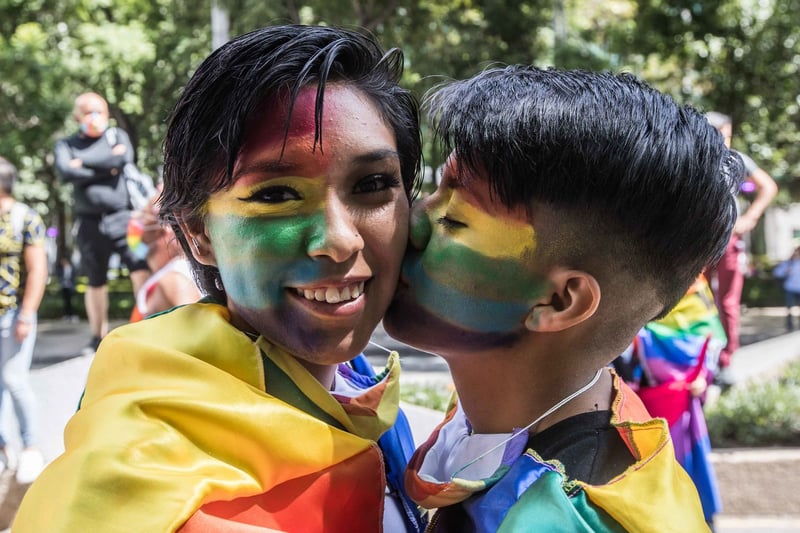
789,272
93,160
727,275
171,281
23,277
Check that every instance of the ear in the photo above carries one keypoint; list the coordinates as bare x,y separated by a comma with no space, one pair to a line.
573,297
199,242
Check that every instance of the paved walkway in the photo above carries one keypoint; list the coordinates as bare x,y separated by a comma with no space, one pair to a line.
59,373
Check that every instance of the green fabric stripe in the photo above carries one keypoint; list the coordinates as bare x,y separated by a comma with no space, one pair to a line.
545,507
280,385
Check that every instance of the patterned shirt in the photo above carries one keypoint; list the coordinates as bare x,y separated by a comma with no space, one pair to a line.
30,233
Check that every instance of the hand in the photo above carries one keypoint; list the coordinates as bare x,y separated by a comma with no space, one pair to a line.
22,331
698,386
75,163
119,149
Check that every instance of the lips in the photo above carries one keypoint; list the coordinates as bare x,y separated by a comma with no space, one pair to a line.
333,295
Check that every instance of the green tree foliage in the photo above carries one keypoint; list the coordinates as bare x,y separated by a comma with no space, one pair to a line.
737,56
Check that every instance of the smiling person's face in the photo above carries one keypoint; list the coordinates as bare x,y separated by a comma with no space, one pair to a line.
469,279
309,241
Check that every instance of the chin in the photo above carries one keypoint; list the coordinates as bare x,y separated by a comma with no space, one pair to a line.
418,327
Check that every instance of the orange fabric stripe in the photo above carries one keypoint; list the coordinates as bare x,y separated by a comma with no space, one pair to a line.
342,498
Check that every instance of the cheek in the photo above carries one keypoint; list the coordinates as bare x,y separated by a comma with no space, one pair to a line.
472,291
387,237
419,227
256,256
474,274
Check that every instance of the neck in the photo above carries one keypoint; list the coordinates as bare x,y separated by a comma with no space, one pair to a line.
524,386
322,373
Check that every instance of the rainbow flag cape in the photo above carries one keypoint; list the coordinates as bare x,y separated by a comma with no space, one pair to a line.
531,494
180,428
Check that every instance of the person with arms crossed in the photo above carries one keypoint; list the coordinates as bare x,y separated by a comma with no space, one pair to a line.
92,160
565,220
289,163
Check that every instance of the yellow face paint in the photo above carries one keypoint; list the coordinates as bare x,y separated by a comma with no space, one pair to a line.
499,237
278,197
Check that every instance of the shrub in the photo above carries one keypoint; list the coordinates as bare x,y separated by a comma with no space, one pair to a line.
120,297
759,414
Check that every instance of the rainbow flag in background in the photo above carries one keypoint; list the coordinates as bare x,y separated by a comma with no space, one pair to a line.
665,357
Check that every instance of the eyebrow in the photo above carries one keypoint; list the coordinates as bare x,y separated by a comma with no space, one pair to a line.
286,167
376,155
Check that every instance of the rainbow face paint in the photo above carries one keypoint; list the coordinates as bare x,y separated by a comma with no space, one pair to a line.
309,241
469,267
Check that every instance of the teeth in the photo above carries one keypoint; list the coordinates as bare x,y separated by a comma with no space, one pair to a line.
333,295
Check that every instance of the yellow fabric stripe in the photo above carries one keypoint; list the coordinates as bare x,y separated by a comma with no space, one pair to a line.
625,498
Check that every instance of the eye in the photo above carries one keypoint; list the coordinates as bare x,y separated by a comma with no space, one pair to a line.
273,195
376,183
449,223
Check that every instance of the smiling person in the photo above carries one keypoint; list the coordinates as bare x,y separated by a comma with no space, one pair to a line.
567,217
290,161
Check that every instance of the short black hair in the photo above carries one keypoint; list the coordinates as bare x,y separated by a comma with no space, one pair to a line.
8,175
636,180
206,127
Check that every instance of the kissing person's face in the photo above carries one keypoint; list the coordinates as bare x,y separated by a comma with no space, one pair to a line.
468,278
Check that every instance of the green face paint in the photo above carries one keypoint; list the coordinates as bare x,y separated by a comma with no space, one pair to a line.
473,269
259,257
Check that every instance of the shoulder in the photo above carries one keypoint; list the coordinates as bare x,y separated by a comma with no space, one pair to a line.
32,223
202,331
119,134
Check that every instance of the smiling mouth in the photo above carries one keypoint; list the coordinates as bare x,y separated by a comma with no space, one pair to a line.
333,295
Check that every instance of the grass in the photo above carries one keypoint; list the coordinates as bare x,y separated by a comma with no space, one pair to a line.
434,395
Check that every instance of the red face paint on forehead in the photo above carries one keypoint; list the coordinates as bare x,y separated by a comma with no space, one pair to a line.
263,140
474,189
268,124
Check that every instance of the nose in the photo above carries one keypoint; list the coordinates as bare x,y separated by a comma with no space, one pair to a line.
338,237
420,226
